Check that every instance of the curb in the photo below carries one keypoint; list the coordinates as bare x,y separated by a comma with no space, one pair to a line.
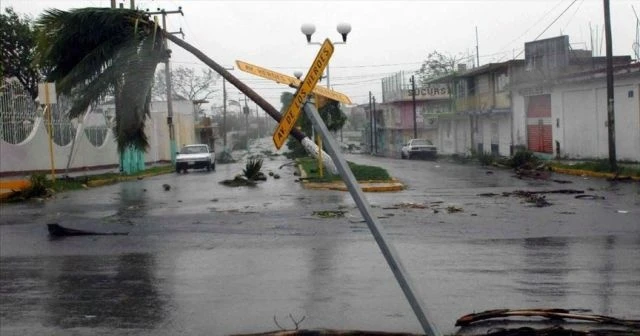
366,186
9,187
103,182
580,172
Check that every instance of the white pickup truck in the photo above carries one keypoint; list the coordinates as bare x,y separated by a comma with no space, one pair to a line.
195,157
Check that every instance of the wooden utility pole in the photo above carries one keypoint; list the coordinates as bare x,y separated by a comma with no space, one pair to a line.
375,133
370,125
224,111
610,111
478,49
173,147
413,99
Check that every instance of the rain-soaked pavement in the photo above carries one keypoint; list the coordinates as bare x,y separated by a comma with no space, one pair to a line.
202,258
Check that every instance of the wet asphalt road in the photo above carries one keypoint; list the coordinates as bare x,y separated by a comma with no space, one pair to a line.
204,259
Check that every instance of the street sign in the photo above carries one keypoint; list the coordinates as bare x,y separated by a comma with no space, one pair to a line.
310,80
288,80
47,93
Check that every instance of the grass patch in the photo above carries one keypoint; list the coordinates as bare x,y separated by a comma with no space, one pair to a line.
361,172
600,166
80,182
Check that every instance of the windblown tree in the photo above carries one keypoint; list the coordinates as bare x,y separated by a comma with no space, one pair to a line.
117,59
97,51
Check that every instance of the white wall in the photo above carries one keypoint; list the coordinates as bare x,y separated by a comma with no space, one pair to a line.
33,153
519,119
485,132
582,111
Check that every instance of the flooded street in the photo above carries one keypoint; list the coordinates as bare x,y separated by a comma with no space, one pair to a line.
203,258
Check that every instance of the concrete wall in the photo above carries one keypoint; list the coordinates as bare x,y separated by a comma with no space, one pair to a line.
579,113
33,153
495,129
582,115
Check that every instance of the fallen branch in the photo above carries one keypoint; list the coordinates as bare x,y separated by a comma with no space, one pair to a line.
546,313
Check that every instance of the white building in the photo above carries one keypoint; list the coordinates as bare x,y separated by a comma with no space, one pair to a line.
567,116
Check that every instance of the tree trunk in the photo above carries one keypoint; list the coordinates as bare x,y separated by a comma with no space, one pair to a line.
268,108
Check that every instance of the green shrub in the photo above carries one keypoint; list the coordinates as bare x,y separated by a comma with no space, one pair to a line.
40,186
485,159
252,168
523,158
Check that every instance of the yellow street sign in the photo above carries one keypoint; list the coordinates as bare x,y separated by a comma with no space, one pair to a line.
289,80
310,80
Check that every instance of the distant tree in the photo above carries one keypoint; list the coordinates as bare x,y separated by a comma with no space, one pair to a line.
330,113
17,46
187,83
437,65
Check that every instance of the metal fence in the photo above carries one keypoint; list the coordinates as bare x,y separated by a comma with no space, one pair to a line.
63,130
18,112
96,134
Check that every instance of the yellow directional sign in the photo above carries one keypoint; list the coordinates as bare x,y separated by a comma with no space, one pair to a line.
288,80
310,80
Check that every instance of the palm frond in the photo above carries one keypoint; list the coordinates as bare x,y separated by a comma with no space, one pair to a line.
94,51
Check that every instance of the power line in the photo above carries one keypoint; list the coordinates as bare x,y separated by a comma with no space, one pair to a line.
556,19
551,24
572,16
533,25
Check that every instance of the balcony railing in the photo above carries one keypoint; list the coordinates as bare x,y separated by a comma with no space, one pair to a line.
483,102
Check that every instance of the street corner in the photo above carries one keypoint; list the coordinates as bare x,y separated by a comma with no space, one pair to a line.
369,186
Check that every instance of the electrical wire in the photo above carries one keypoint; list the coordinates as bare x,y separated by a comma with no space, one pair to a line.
551,24
533,25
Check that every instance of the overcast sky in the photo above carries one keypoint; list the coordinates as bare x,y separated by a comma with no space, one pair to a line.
386,37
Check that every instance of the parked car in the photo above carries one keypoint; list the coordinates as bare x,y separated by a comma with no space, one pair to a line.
418,148
195,156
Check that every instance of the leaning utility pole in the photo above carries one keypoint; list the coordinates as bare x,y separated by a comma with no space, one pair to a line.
173,148
413,98
610,111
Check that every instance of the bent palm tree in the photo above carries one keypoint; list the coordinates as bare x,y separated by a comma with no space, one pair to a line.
97,51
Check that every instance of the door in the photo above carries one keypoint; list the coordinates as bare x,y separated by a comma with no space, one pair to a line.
539,124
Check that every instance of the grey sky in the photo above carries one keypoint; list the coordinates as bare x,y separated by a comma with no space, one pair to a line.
387,36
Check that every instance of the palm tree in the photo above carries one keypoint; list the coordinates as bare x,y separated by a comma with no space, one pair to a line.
96,52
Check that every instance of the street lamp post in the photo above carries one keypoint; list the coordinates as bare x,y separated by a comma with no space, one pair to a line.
343,29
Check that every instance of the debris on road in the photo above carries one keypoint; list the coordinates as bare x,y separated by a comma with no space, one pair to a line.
239,181
329,213
56,230
489,194
166,187
589,197
553,314
453,209
408,205
562,181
